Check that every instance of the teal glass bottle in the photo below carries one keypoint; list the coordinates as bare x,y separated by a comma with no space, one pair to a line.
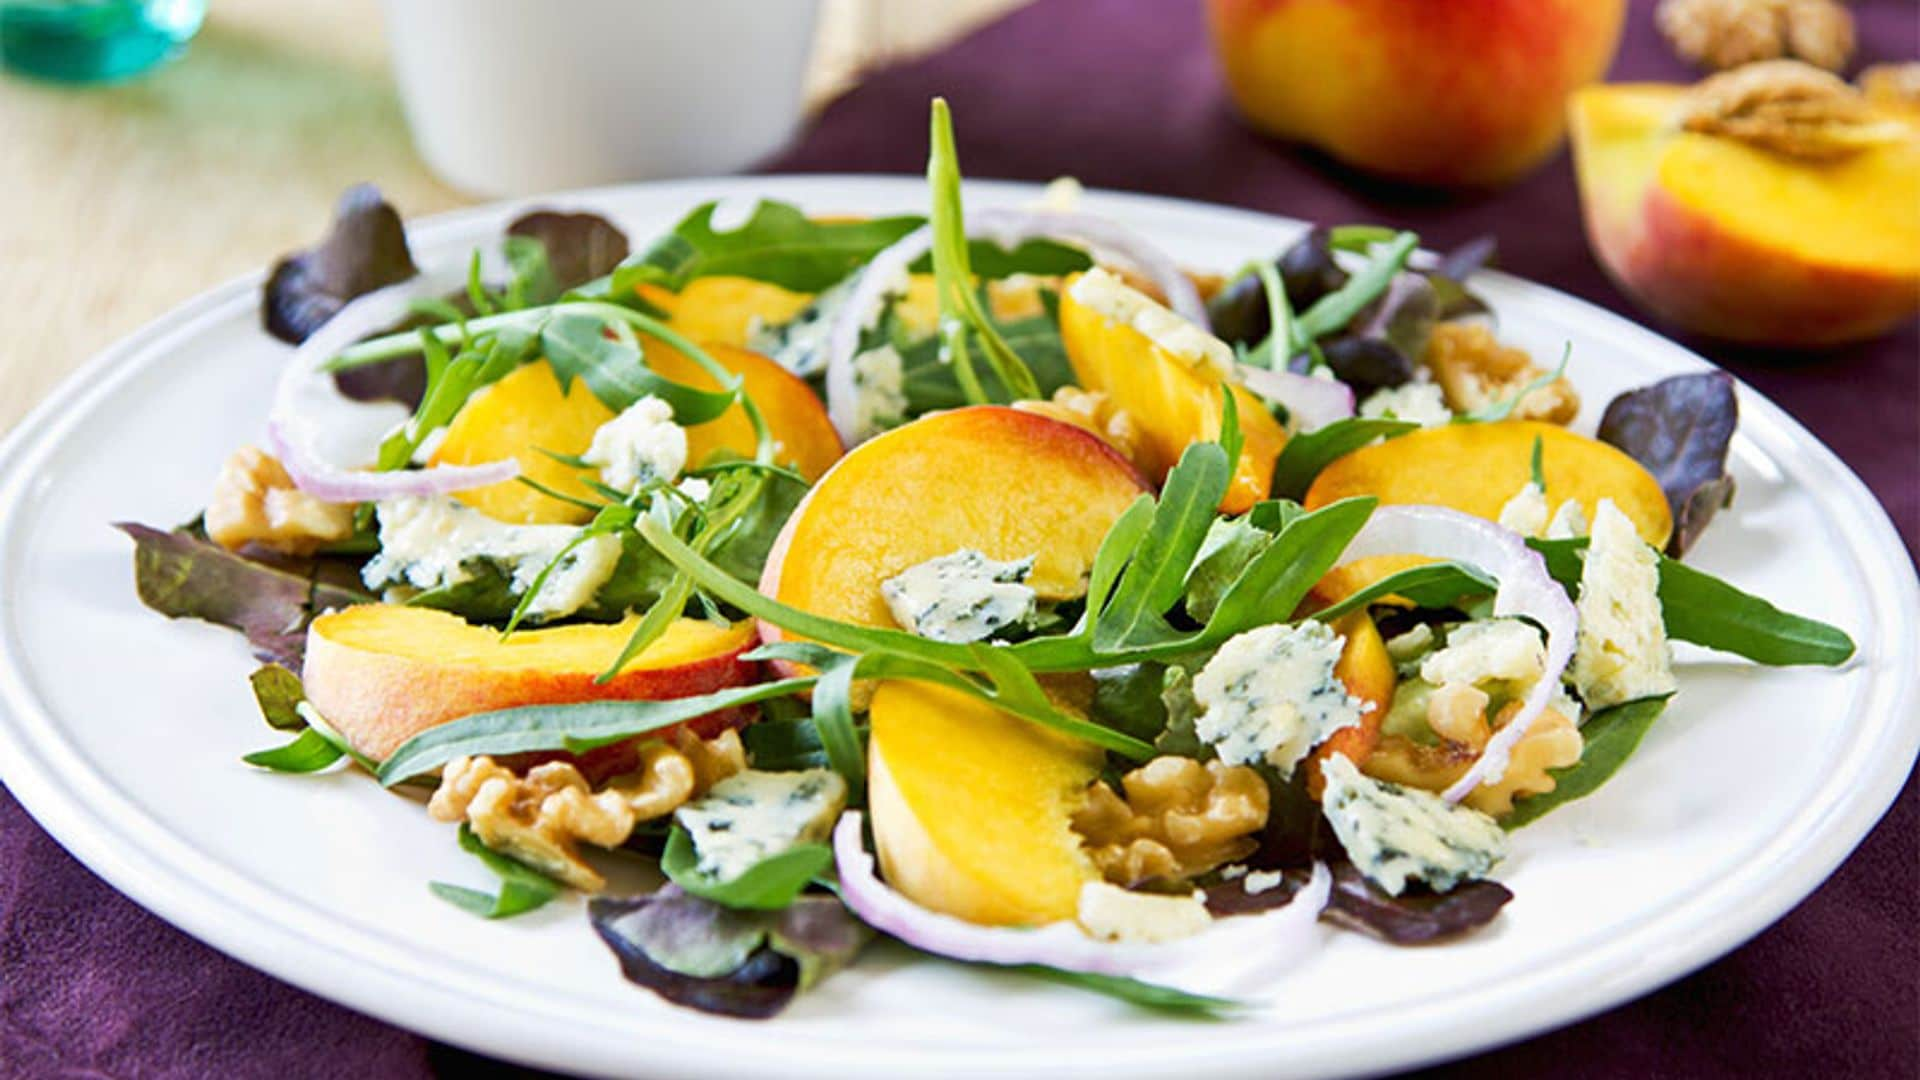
94,41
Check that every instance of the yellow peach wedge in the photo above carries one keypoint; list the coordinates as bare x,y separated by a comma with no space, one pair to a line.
794,414
1169,384
725,310
383,673
1476,468
972,807
517,417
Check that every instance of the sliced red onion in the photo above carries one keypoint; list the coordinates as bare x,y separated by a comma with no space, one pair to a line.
886,274
1525,589
1311,402
327,440
1235,957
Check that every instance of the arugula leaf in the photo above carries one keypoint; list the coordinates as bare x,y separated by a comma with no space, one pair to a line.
310,752
1429,585
1040,257
769,885
784,744
1705,610
1306,453
1278,579
1534,464
1134,991
522,888
833,722
777,244
279,693
1611,737
577,346
1157,575
1337,309
1230,546
576,727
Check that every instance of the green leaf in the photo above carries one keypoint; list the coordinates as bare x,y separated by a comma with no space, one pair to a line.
777,244
1535,464
1429,585
1279,318
833,722
671,605
1133,991
1276,581
768,885
279,693
1157,574
308,753
1707,611
1309,452
522,888
1336,309
1230,546
1116,549
1358,239
577,347
1040,257
1611,736
577,727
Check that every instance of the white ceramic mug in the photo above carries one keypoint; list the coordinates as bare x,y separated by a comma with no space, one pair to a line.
515,97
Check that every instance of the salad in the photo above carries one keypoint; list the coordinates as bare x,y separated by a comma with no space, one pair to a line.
984,580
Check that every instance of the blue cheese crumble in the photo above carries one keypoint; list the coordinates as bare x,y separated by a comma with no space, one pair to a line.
1395,834
1527,514
434,543
1492,650
800,343
1421,402
752,816
640,446
1114,300
1111,913
1621,652
879,391
1270,695
960,598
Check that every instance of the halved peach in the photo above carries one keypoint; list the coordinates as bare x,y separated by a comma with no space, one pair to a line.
1476,468
383,673
793,412
1173,400
724,310
1741,243
972,807
1007,483
516,418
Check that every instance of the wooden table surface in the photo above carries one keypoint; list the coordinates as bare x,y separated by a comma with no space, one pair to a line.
117,203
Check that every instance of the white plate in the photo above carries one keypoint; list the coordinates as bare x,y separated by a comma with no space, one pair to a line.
122,733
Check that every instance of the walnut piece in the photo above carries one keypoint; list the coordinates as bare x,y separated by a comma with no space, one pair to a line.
1092,410
254,501
1788,108
1475,371
1724,34
1179,819
542,818
1891,84
1459,718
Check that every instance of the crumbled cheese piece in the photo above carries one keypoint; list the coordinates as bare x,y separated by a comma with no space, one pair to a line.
1569,522
1503,650
433,543
1526,513
1411,645
1394,834
640,446
1112,913
960,597
1115,301
880,391
1232,870
1621,652
754,815
699,489
1421,402
800,343
1270,694
1262,881
1062,193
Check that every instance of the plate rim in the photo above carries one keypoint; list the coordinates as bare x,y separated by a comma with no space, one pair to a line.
191,903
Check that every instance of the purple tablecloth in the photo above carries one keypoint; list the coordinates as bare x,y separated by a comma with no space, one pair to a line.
1123,94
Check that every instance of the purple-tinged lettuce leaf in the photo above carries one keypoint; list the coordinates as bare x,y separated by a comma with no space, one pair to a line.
365,249
579,247
1449,278
1357,904
747,964
1679,429
184,576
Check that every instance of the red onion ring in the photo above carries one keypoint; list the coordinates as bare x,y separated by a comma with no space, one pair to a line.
309,410
1233,957
1311,402
1525,589
886,272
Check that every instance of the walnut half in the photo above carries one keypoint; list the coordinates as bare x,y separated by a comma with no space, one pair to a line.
1458,716
1724,34
1179,819
1788,108
1475,371
255,502
542,818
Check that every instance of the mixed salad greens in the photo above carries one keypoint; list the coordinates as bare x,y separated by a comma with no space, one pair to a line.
983,580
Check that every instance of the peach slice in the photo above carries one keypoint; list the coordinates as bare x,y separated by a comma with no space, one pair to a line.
383,673
1744,244
1368,673
1476,468
972,807
516,418
1173,400
1003,482
724,310
794,413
